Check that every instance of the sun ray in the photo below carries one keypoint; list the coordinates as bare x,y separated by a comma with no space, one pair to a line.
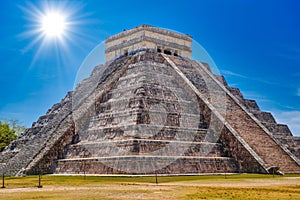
45,38
49,26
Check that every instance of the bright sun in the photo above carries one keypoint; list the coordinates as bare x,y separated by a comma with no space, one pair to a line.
53,24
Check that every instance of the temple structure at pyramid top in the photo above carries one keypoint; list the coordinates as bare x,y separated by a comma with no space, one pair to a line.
148,37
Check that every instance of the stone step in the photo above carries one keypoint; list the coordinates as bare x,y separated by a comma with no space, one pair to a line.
144,147
153,78
150,67
143,133
144,117
127,111
128,165
146,72
278,129
127,90
102,158
131,140
124,101
265,117
182,125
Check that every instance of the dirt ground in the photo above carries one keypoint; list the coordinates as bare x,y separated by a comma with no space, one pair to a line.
283,188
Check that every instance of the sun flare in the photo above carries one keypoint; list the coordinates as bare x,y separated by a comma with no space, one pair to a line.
53,24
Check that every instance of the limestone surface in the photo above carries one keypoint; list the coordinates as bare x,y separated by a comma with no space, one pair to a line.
150,111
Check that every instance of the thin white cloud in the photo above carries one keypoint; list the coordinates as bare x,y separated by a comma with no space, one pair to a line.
230,73
291,118
260,80
298,93
258,97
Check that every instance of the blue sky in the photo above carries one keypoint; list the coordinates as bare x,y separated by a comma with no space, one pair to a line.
255,44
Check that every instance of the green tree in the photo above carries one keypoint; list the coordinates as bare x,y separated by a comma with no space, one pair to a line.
6,135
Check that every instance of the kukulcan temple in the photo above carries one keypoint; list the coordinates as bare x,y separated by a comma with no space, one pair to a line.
152,109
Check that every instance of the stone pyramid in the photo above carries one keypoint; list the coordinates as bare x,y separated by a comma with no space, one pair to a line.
152,109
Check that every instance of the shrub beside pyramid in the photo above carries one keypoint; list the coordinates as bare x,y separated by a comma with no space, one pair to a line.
152,109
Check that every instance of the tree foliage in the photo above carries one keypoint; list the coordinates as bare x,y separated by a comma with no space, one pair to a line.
6,135
9,131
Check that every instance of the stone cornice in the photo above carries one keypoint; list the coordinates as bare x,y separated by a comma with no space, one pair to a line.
149,39
150,29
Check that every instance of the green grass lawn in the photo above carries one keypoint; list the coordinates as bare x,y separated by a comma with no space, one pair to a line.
245,186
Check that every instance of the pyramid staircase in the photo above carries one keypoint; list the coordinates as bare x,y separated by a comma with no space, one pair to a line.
251,133
146,123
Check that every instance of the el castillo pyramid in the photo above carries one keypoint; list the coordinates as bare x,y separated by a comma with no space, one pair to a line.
151,109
